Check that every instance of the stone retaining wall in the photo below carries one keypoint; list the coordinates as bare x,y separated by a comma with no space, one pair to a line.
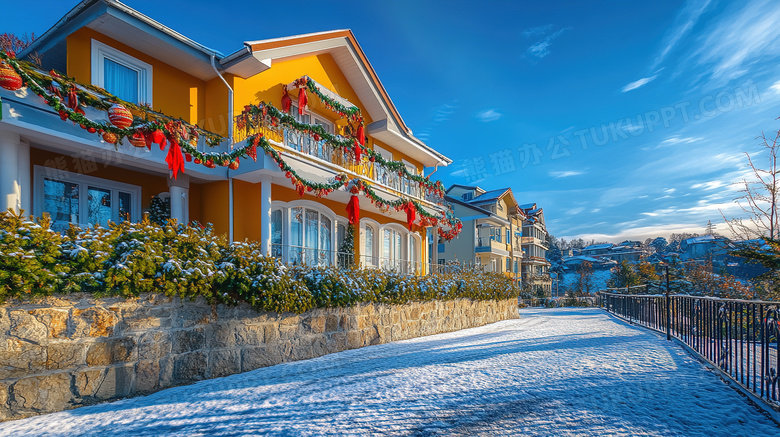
63,352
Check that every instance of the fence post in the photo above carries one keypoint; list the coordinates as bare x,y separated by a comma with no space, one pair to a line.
668,308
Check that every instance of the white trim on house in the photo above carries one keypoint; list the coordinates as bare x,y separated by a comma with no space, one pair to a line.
101,52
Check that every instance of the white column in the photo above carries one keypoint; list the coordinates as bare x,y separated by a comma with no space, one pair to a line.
180,198
435,250
10,183
25,178
265,216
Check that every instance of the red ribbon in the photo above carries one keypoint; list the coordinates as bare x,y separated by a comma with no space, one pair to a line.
361,136
358,151
302,101
411,211
175,159
286,102
353,210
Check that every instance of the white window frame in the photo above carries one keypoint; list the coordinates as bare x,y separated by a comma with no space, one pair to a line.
40,173
322,210
370,259
101,52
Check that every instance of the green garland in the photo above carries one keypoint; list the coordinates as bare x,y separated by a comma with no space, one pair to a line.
253,117
353,113
169,126
38,82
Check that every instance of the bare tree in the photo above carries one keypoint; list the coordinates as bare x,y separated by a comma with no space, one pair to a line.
759,199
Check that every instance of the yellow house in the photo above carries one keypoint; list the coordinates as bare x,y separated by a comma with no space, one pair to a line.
311,107
492,228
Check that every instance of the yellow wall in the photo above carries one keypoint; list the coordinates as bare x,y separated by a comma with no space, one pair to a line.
172,88
213,205
268,85
247,214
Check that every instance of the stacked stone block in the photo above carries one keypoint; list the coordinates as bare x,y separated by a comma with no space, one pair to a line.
63,352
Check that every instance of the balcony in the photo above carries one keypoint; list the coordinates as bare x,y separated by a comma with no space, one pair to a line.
489,244
336,161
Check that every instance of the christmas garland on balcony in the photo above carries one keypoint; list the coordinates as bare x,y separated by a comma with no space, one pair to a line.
161,129
255,116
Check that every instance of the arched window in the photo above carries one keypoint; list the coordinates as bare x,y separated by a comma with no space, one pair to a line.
304,232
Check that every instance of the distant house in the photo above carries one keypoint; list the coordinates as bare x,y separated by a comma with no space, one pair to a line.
704,247
596,249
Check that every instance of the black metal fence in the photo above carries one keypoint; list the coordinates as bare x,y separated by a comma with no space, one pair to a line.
738,336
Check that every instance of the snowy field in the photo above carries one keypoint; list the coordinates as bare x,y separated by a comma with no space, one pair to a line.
553,372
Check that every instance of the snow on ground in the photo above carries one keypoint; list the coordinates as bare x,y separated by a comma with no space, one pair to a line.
556,372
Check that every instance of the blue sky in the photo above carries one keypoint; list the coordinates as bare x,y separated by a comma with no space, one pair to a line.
621,119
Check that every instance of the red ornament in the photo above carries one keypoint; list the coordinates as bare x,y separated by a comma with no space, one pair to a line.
91,130
138,139
63,114
300,188
197,161
9,78
188,157
120,116
157,137
233,165
109,137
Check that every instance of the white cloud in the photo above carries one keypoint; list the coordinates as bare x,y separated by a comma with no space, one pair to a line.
564,173
444,112
540,49
741,38
575,211
638,83
684,22
488,115
775,87
537,31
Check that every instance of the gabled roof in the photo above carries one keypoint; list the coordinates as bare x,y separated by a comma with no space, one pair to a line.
132,28
489,196
467,187
387,126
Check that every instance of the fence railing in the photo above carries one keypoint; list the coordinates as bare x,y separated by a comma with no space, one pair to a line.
740,337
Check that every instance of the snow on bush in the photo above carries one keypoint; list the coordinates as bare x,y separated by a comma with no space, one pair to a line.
189,261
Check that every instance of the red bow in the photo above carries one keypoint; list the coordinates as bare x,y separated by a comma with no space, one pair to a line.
175,159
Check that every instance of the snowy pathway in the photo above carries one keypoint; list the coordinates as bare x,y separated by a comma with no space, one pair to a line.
552,372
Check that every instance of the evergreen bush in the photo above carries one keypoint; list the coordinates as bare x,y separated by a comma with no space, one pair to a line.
189,261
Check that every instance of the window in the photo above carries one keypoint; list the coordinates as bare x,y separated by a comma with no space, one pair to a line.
468,196
121,74
368,246
392,249
310,237
276,233
84,200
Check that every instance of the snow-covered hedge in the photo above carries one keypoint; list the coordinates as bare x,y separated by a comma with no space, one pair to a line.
189,261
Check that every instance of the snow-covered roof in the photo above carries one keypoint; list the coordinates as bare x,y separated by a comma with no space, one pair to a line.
598,246
489,195
700,239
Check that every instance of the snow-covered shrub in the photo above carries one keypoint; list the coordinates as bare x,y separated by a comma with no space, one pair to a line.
189,261
29,257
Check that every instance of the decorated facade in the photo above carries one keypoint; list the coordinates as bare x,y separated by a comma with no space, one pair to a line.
492,230
292,142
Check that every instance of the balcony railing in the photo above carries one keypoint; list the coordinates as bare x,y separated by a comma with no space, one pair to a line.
305,144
